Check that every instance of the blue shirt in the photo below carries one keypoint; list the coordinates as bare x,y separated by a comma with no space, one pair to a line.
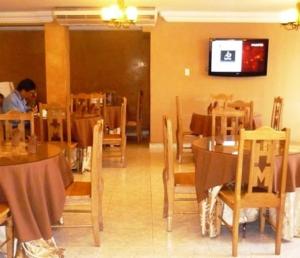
14,101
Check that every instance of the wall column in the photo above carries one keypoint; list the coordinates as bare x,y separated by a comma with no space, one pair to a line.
57,58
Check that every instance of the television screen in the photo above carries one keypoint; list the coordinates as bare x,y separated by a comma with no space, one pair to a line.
238,57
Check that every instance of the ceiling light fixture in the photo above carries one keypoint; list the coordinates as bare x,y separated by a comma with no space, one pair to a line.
119,15
291,18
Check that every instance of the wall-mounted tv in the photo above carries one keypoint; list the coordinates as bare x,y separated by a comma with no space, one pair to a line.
238,57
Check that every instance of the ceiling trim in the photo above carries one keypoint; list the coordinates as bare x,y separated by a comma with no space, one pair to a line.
42,17
241,17
36,17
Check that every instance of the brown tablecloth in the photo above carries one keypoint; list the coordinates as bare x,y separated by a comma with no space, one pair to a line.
113,116
82,125
82,129
201,124
217,167
34,190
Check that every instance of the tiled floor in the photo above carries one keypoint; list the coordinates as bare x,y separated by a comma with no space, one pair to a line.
133,224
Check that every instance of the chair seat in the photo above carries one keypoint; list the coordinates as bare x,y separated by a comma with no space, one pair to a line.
131,123
4,209
185,179
247,200
78,189
187,133
112,139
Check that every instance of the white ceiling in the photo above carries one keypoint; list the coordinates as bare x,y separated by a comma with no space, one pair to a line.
257,11
162,5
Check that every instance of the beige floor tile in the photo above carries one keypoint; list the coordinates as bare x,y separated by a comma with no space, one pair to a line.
134,227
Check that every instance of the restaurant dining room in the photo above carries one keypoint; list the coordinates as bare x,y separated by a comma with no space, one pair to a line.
149,129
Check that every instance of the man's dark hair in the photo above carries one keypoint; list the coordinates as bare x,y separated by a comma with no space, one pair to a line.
27,85
1,96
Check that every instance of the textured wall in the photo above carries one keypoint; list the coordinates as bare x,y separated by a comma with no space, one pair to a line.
22,55
112,60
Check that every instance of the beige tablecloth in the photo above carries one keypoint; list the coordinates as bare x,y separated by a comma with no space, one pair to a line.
33,185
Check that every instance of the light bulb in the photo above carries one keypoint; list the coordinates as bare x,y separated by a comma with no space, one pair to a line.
106,14
290,15
131,13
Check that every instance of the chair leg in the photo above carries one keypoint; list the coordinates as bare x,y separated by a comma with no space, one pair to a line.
170,209
262,219
203,208
101,204
244,229
279,217
165,210
179,148
218,216
235,231
96,229
123,153
10,237
169,223
139,132
20,253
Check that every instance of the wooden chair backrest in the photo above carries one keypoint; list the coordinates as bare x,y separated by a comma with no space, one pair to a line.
123,119
139,108
231,121
179,121
245,106
168,150
88,103
220,100
263,144
13,121
276,113
58,118
96,177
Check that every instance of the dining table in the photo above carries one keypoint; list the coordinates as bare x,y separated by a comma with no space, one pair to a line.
82,125
33,184
215,165
201,124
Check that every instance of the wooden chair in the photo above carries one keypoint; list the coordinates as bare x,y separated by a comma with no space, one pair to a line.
220,100
175,184
6,219
276,113
119,139
137,123
58,123
231,121
89,103
258,148
13,121
86,197
244,106
184,138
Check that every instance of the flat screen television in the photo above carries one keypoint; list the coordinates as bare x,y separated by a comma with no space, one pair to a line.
238,57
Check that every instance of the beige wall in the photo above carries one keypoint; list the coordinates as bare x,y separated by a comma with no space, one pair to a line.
175,46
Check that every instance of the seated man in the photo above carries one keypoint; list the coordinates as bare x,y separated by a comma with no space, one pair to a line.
17,99
1,102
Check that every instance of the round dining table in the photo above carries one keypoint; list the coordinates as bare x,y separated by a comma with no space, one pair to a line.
215,165
201,124
82,124
33,185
